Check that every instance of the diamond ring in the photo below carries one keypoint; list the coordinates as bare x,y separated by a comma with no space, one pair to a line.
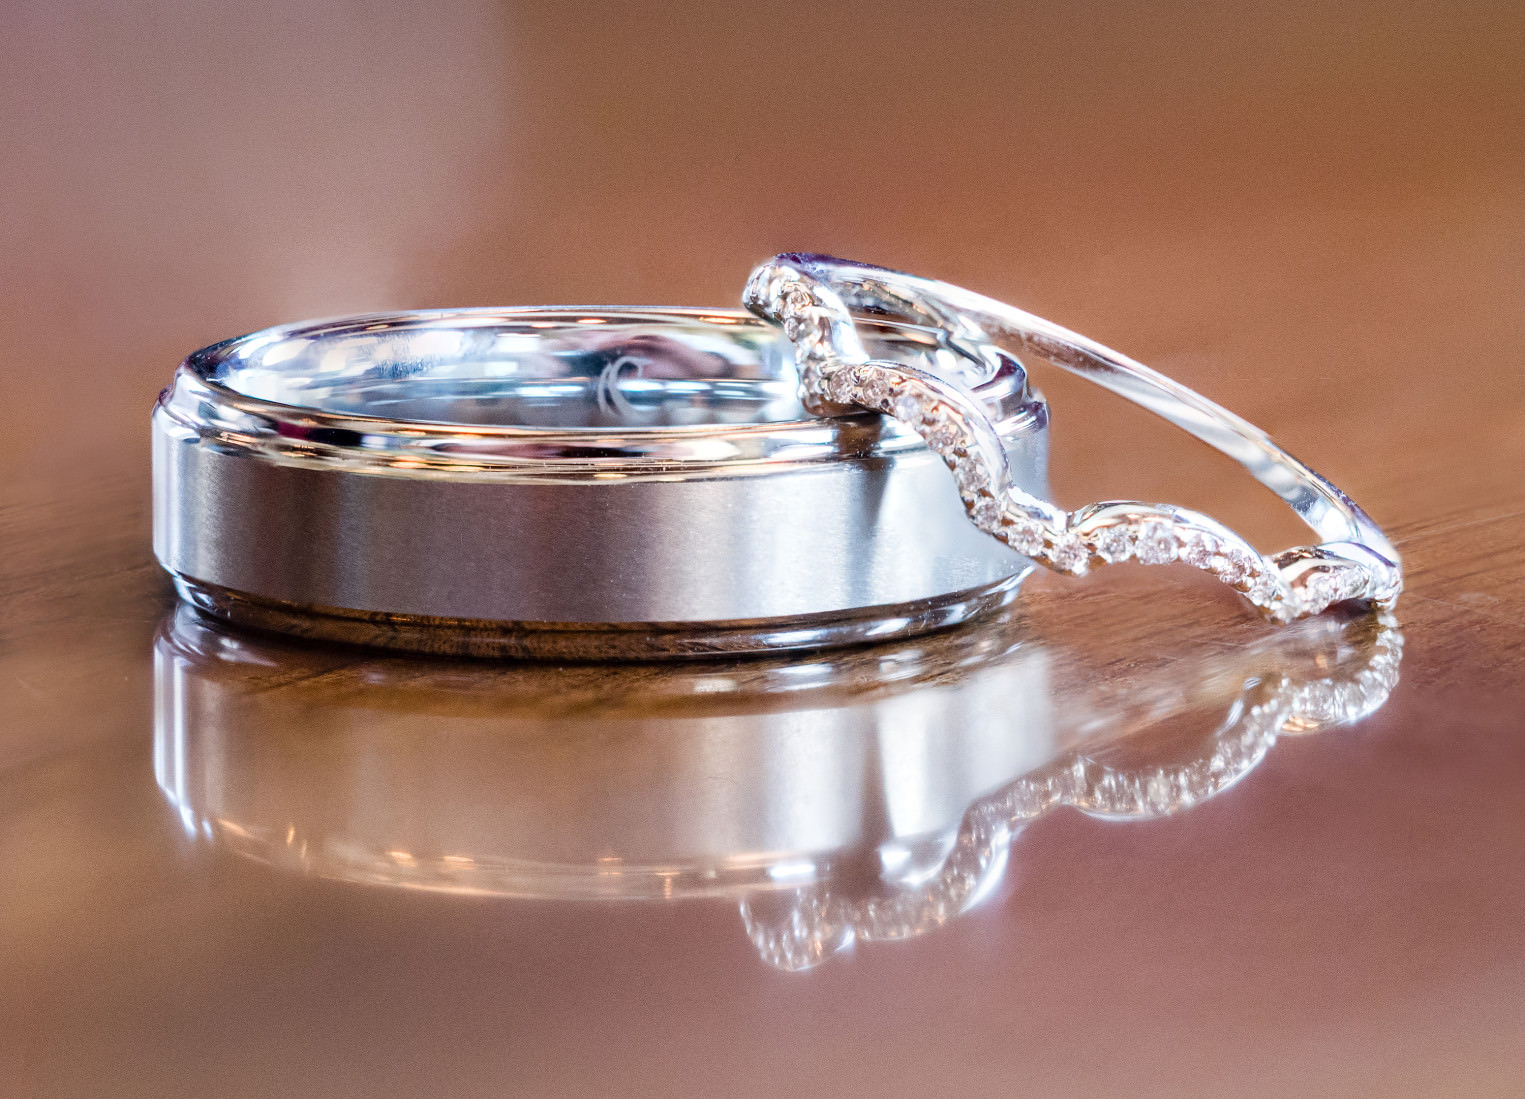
814,299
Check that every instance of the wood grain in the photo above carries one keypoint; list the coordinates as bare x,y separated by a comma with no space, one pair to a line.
1314,214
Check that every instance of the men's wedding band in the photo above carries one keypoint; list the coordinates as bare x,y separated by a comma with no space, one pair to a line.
571,483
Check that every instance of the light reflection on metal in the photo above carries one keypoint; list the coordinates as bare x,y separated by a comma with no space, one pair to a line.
870,794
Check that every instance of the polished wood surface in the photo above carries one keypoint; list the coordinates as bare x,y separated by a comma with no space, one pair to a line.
1314,214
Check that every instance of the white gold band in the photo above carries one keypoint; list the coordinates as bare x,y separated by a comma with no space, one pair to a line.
815,297
568,482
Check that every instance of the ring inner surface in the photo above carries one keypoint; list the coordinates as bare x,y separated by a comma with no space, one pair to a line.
565,369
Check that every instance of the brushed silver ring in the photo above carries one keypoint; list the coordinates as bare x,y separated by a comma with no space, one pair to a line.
586,482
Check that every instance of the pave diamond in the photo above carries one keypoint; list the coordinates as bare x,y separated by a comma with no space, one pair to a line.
943,433
1156,544
970,475
1023,534
842,386
1327,586
1198,551
795,299
1320,590
1069,555
1158,792
907,406
1232,567
876,391
1114,543
1263,588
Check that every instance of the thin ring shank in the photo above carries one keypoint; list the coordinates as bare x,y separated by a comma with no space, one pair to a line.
974,317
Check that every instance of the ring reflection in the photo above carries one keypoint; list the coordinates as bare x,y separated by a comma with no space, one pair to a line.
857,795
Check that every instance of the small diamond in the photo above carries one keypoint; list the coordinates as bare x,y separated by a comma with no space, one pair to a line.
1156,544
1158,791
796,299
843,385
1023,534
943,433
1198,551
1262,588
1069,555
970,476
1108,791
1319,590
877,390
1114,543
907,406
987,513
1232,567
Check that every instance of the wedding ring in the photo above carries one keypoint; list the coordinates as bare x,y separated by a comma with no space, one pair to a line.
571,482
816,300
610,482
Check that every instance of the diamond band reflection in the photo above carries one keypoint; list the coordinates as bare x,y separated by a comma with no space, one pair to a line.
869,794
816,923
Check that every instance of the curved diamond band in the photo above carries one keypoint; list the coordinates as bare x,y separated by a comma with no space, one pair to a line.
814,299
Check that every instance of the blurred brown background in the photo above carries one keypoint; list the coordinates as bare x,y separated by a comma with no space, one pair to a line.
1314,213
1175,177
